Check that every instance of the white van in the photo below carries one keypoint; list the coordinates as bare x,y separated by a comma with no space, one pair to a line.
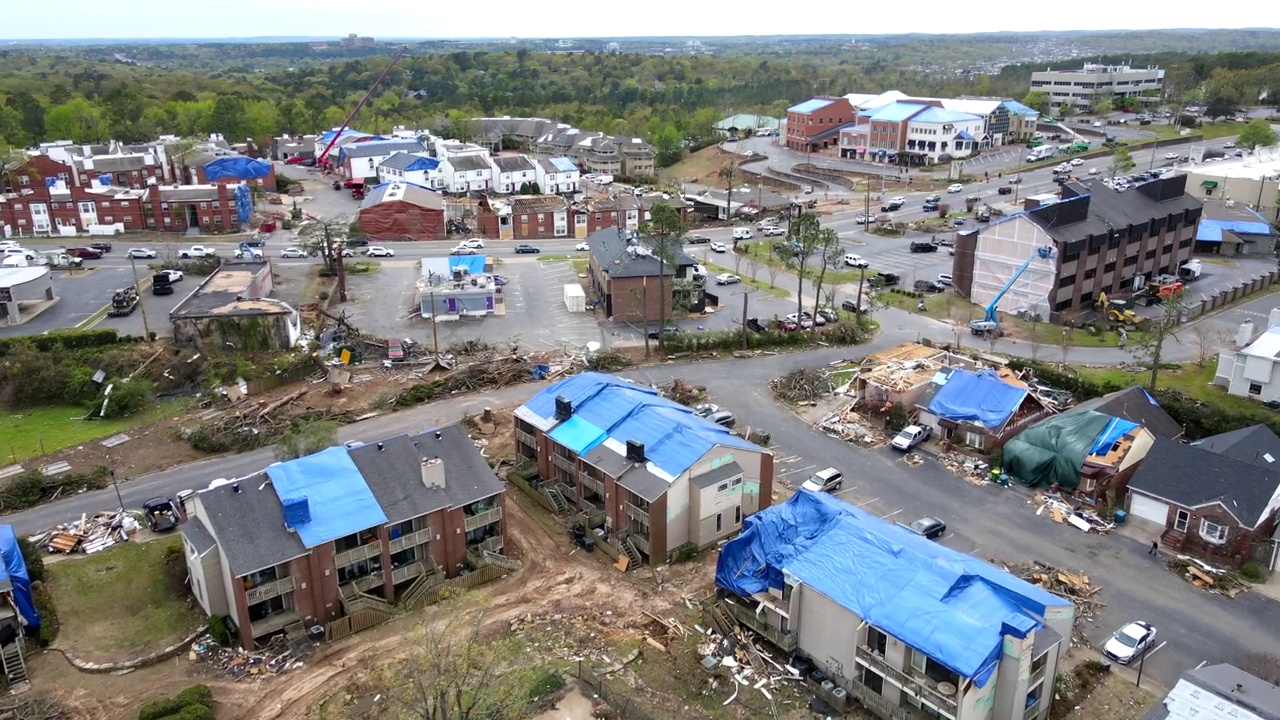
742,233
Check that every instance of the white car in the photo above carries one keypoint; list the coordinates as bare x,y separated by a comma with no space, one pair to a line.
857,261
1097,123
292,252
1229,145
699,271
1171,156
773,231
142,253
379,251
944,279
863,218
582,247
197,251
1130,642
19,252
727,279
911,436
955,188
173,275
719,247
473,243
1217,159
1076,162
1095,171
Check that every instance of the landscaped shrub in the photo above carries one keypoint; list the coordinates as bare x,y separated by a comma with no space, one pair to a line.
218,629
32,487
48,614
62,340
193,703
897,418
1251,571
34,559
128,398
196,695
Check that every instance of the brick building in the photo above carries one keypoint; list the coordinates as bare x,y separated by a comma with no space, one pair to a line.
624,277
178,208
815,124
534,217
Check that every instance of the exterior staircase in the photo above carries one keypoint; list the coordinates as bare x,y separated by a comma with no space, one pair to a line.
413,595
718,617
354,601
502,561
633,556
559,504
15,666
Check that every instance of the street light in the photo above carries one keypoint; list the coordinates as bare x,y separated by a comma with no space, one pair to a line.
116,485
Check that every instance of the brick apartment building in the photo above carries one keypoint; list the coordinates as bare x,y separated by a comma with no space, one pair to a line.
815,124
624,277
312,539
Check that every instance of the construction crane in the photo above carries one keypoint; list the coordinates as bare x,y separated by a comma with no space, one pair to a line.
990,322
363,101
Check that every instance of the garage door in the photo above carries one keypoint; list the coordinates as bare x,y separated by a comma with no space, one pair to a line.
1148,508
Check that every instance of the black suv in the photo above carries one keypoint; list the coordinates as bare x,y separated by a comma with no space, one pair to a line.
930,205
883,279
923,247
891,205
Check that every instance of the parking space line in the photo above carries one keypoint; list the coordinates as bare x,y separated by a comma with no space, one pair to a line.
791,472
886,517
868,502
1153,652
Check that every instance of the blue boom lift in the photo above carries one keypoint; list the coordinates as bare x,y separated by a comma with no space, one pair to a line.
990,322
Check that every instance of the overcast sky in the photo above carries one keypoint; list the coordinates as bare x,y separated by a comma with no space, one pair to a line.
530,18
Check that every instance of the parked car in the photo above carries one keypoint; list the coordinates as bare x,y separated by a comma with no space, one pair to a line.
944,241
931,528
829,315
378,251
197,251
668,330
923,247
719,247
884,279
773,231
705,409
828,480
293,252
864,219
523,248
395,350
927,286
944,279
142,253
955,188
101,246
84,253
1228,145
173,275
295,160
1130,642
856,261
582,247
358,242
473,243
785,325
754,325
1095,171
161,514
723,418
911,436
727,279
1076,162
696,239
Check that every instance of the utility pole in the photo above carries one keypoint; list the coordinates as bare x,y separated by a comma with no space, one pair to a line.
866,207
340,266
116,485
745,293
1018,176
146,327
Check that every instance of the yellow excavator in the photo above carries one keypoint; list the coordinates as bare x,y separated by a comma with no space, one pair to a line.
1117,311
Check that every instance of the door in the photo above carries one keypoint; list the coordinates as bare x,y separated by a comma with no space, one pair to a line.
580,226
1148,508
39,217
88,213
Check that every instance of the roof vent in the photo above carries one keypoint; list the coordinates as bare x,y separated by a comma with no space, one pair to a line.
380,446
439,435
635,451
564,408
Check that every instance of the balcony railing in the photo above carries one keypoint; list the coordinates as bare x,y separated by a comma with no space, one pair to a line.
274,622
355,555
413,539
493,544
640,542
1038,674
408,572
564,463
785,641
1032,711
484,518
922,687
266,591
638,514
368,582
591,484
526,438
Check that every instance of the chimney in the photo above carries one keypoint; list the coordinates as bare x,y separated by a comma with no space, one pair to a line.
433,473
1273,318
635,451
1245,333
564,408
380,446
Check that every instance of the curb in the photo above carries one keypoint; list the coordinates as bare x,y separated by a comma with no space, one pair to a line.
101,314
144,661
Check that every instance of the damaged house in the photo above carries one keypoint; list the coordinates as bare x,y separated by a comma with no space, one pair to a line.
978,410
900,624
901,374
232,309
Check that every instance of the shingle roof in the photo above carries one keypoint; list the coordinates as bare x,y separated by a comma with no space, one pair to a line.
119,164
403,192
249,525
611,254
469,162
809,106
392,470
513,163
1135,405
1109,209
1192,477
1252,445
198,535
402,160
468,477
724,472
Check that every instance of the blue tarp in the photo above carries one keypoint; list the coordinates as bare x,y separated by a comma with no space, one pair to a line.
338,499
980,398
425,163
473,264
953,607
579,435
15,568
244,203
1114,430
239,168
674,438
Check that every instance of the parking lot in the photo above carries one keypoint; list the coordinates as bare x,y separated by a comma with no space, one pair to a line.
80,295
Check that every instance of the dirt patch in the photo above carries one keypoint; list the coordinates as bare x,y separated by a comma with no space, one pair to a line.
115,697
1112,698
700,167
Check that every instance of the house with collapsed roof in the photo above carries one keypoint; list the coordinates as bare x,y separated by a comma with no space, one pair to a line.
1093,449
1218,692
896,622
901,374
648,471
978,410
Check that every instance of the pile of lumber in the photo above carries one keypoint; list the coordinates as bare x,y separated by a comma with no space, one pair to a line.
1076,514
682,392
1207,577
803,385
1072,585
850,426
970,468
89,534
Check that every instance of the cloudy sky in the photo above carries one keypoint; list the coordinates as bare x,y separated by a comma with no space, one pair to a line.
524,18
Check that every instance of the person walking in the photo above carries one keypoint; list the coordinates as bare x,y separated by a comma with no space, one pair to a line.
1155,548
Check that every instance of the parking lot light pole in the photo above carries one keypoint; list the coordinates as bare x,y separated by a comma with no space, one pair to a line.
1141,662
146,326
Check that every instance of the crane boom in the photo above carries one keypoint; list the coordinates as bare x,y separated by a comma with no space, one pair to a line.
363,101
990,320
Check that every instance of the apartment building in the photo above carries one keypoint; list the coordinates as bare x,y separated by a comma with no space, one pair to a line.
359,160
1077,90
1102,241
412,168
513,172
309,540
558,175
649,471
814,124
467,173
533,217
595,152
901,624
624,276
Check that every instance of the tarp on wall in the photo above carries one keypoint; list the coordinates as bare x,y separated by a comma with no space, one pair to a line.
15,569
1053,450
979,398
339,501
239,168
244,203
951,606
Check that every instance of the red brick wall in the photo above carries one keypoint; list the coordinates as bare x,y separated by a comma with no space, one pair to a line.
206,213
131,179
632,303
31,176
1234,552
802,126
267,183
16,212
766,481
658,531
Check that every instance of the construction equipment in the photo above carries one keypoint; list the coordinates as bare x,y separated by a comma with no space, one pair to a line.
990,322
1125,317
1165,287
324,156
123,302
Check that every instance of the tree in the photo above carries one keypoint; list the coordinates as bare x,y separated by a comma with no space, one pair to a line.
305,437
664,231
828,250
753,266
1219,106
1257,133
803,236
1038,101
728,172
1149,349
77,120
1103,105
1208,342
326,237
1121,162
179,150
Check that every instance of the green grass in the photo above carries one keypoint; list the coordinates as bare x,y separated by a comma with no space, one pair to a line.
950,307
117,604
580,265
763,253
59,427
554,258
1189,379
1209,131
713,270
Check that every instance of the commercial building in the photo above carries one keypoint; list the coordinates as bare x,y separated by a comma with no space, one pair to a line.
457,286
895,621
343,530
1078,90
401,211
1101,241
233,308
651,473
1232,228
815,124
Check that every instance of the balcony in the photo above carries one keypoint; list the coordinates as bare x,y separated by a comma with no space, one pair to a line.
266,591
592,484
274,622
785,641
355,555
408,572
923,688
1037,675
368,582
413,539
638,514
564,463
1032,711
484,518
493,544
526,438
640,542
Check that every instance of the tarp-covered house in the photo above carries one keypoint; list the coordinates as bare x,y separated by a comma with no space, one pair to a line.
979,410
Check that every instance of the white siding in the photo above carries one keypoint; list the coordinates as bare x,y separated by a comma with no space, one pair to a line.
1002,248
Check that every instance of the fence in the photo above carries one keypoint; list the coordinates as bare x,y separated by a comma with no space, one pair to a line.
1222,298
355,622
518,480
619,700
485,574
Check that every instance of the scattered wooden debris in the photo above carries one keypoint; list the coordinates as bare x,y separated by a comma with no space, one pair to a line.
803,385
683,393
89,534
279,656
913,459
850,426
964,466
1072,585
1207,577
1077,514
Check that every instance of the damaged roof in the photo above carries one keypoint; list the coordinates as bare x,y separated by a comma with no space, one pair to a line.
227,293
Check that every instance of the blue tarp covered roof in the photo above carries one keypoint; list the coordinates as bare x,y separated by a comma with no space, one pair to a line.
473,264
328,135
563,164
1114,430
953,607
809,106
1211,230
338,499
674,438
578,435
14,568
943,115
425,163
895,112
1018,108
980,398
240,168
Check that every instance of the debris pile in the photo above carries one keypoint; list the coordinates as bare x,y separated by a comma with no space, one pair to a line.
1072,585
964,466
850,426
913,459
732,647
89,534
279,656
685,394
1207,577
1075,514
801,386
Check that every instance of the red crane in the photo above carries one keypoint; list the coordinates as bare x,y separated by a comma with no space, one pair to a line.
363,101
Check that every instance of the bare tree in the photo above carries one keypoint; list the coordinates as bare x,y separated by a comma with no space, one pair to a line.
1262,665
803,237
737,262
178,151
728,173
1208,341
1066,344
665,232
753,266
828,252
773,269
1149,349
326,237
1034,341
306,437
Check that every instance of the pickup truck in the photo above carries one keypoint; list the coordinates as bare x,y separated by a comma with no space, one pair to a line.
197,251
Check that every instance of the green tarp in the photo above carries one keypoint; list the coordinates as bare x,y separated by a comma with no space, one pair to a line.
1053,451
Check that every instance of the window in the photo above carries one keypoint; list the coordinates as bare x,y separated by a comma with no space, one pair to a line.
737,515
1067,281
24,180
128,218
1255,388
1151,254
719,522
919,661
1090,274
1212,530
1180,520
1109,267
1131,261
973,439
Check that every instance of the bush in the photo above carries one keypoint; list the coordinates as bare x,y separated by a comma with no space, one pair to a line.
34,559
32,487
62,340
128,398
193,703
49,624
196,695
546,683
897,417
220,632
1251,571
